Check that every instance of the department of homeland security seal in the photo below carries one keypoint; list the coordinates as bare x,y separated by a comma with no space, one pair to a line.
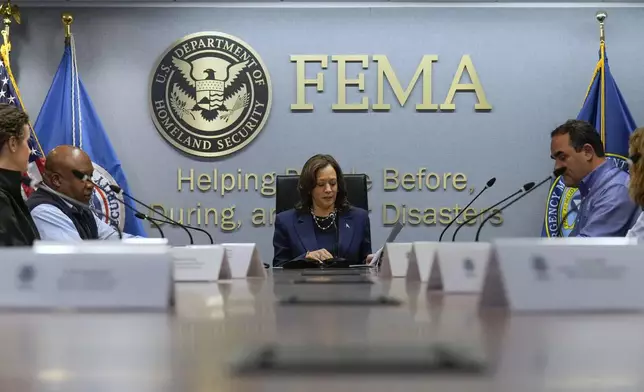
106,202
210,94
564,201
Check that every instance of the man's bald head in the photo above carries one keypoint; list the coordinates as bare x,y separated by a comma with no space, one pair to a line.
66,158
59,166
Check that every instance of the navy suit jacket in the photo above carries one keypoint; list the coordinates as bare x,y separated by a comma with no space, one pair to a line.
295,235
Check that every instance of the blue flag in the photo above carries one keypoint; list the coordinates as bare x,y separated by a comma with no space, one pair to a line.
68,117
605,108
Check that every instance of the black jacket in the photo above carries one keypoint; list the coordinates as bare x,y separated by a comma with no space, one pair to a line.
17,228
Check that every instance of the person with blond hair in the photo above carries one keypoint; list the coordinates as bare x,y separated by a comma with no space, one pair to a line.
636,184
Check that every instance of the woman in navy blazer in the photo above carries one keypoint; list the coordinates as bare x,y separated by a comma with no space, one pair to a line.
323,225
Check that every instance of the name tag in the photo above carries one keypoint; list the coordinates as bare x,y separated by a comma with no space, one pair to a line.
575,275
459,267
244,261
395,257
140,241
200,263
89,275
421,260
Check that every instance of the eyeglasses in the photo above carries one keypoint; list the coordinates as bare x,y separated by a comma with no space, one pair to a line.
632,160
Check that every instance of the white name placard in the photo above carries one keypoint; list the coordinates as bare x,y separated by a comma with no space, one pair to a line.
459,267
244,260
101,246
145,241
105,275
421,260
581,275
200,263
395,257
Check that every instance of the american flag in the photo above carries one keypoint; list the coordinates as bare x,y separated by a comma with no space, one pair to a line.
10,94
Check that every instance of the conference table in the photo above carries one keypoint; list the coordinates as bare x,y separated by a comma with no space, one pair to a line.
193,347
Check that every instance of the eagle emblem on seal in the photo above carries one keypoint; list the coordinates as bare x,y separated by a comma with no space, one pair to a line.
209,83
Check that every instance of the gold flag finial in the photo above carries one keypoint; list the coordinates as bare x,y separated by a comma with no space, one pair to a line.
68,19
601,17
8,11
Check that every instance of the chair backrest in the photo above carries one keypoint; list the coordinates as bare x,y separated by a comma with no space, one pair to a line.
287,195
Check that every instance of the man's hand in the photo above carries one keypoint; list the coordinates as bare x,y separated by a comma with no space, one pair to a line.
320,255
369,258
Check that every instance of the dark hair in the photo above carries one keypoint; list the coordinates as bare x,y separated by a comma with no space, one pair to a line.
308,181
581,133
12,122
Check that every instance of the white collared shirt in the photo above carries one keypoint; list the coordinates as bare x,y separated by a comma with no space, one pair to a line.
54,225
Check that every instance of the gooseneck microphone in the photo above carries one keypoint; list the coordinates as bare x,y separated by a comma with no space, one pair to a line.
155,220
524,188
118,189
85,177
158,227
489,184
554,175
172,223
40,185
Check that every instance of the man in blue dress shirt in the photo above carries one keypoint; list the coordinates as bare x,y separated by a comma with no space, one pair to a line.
606,210
58,220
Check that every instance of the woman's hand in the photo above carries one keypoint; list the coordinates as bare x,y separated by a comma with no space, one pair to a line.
319,255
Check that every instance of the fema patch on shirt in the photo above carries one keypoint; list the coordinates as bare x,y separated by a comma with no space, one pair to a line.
564,201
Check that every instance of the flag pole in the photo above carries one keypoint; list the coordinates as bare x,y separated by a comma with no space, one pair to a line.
68,19
601,17
8,11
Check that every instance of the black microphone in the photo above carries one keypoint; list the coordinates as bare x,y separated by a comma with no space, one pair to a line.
154,220
85,177
489,184
524,188
118,189
40,185
177,224
554,175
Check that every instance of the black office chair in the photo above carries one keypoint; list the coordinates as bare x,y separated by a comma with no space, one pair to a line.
287,195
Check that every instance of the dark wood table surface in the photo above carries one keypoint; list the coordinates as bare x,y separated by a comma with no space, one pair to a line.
191,347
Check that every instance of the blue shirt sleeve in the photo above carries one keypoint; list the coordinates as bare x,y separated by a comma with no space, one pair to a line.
611,214
53,224
107,232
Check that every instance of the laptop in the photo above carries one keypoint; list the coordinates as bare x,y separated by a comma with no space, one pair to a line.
390,238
